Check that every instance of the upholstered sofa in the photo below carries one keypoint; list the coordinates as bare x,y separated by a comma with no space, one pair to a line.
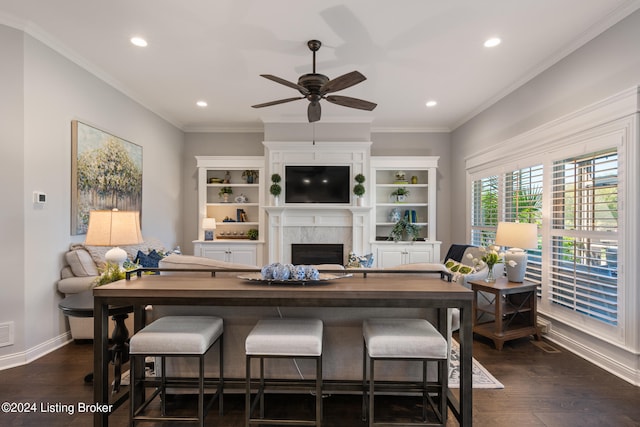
82,266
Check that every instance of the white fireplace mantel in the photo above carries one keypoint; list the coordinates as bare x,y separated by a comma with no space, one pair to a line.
337,223
312,224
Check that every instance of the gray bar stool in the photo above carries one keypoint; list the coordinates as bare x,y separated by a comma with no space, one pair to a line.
175,336
283,338
405,339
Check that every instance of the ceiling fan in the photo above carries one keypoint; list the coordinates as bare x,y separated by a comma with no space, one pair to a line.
315,87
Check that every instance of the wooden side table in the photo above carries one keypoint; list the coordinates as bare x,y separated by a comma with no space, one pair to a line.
81,305
513,308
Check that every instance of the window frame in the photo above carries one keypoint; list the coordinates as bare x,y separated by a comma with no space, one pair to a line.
579,267
499,161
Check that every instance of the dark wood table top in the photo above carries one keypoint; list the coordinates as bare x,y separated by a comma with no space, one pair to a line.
81,305
379,290
503,285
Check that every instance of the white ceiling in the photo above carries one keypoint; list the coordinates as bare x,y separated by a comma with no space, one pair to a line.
409,50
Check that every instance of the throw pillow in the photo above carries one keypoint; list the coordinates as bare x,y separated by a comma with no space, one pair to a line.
97,254
81,263
458,268
149,244
149,260
452,265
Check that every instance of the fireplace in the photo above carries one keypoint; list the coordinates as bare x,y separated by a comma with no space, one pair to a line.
317,253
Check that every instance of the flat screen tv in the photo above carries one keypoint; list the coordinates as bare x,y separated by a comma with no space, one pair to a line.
317,184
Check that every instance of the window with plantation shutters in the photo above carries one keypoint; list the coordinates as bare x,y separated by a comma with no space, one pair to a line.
484,211
583,275
514,196
523,203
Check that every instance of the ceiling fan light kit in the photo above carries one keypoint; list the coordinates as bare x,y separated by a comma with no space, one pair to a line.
315,87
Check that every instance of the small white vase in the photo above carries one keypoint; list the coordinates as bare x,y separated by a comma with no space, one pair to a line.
276,200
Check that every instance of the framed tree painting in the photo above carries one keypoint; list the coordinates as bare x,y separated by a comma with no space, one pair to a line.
106,173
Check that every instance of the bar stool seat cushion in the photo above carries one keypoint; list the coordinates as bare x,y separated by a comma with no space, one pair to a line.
285,337
177,335
403,338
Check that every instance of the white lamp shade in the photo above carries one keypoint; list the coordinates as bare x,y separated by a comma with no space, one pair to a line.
517,235
113,228
208,223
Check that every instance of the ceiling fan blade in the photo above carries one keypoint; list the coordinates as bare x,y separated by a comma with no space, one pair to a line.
342,82
314,111
280,101
303,90
347,101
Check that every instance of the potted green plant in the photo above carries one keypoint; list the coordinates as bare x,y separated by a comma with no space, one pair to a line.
252,234
400,194
111,273
250,176
359,189
224,193
404,230
275,188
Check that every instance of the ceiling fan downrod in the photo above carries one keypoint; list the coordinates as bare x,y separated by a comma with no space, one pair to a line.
314,46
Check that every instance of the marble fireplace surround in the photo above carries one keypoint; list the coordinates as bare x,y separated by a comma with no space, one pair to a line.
347,224
288,225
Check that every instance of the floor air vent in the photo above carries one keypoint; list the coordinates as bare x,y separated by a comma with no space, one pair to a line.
545,346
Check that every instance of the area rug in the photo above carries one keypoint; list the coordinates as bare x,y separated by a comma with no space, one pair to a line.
481,377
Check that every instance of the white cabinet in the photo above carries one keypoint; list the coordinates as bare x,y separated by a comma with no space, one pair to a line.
226,193
238,253
417,176
392,254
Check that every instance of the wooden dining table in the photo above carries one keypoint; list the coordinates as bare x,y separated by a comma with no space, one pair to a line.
400,289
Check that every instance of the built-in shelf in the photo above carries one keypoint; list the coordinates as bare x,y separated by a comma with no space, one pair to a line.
212,205
419,206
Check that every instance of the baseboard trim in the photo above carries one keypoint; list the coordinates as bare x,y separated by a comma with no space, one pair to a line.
599,359
25,357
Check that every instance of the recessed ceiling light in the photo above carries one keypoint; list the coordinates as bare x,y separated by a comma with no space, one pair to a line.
202,104
139,41
431,103
492,42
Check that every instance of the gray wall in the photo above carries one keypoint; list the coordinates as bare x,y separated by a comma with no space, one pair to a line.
12,174
606,65
42,92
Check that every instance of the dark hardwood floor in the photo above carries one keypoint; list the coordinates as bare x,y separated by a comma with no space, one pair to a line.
542,388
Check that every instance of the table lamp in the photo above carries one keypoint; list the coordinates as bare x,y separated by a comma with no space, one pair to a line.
518,237
114,228
209,225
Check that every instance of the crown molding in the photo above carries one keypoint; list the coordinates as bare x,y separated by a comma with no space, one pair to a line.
592,32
